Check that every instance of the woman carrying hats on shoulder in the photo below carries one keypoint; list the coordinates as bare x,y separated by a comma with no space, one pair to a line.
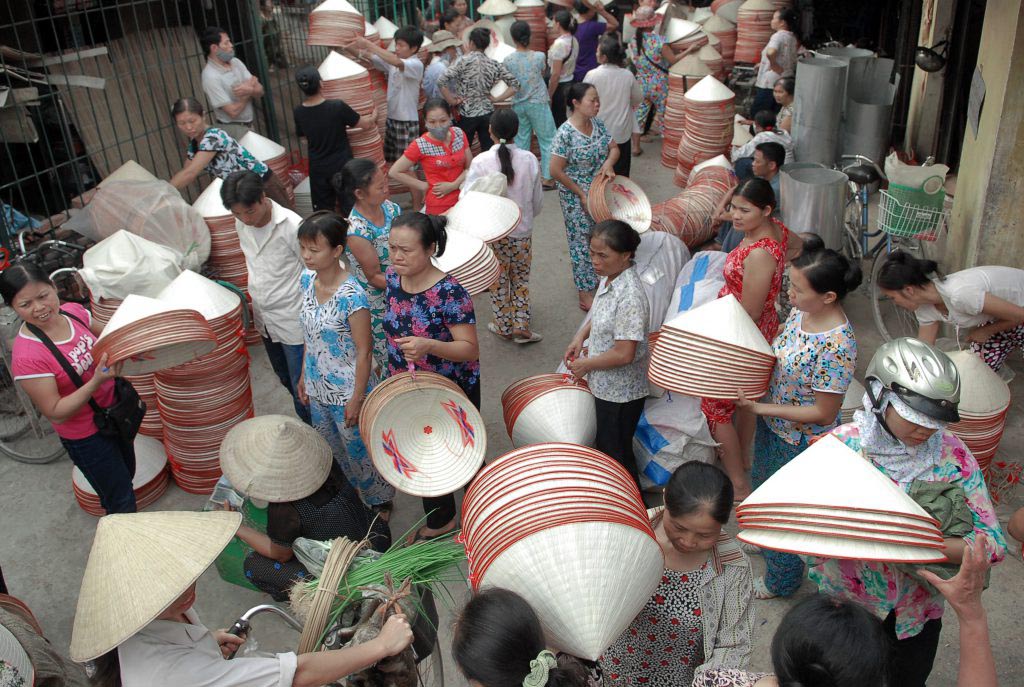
136,621
912,392
285,462
816,357
107,463
431,326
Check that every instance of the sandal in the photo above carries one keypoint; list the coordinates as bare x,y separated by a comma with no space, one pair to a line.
761,590
493,329
534,337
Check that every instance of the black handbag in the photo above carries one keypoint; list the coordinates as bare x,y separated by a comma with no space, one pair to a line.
122,418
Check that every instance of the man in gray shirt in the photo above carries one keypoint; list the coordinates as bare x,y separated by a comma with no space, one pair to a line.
229,87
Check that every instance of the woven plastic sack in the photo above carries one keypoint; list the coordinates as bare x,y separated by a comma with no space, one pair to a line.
124,264
698,283
672,431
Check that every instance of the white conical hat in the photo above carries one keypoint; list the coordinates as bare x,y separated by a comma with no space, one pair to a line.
209,203
336,6
691,65
707,53
139,564
586,581
369,29
499,51
134,308
831,474
718,24
530,3
730,11
678,29
757,6
982,391
717,161
837,547
337,66
18,669
386,28
713,40
701,15
486,216
709,90
496,8
192,291
566,415
150,460
129,171
261,147
725,320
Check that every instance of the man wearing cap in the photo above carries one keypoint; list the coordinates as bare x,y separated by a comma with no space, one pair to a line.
444,51
228,85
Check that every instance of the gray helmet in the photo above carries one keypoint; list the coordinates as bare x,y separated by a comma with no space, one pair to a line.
921,375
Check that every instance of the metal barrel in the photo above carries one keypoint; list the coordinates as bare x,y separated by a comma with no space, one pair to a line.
813,199
818,107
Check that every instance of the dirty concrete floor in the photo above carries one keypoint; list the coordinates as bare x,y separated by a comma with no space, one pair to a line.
45,537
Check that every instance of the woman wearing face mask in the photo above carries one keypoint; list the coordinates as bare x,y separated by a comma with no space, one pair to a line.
701,616
912,391
212,150
817,356
443,153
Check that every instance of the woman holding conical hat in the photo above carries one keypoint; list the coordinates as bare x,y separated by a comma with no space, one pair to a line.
135,612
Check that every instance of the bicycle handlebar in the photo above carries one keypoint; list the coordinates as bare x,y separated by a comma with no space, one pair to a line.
867,160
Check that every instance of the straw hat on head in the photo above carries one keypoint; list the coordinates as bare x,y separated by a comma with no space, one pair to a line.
275,458
482,24
139,565
18,669
444,40
496,8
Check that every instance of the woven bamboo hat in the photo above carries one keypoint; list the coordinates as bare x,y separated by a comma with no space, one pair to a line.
496,8
139,564
386,28
191,290
982,391
261,147
275,458
18,663
209,203
129,171
486,216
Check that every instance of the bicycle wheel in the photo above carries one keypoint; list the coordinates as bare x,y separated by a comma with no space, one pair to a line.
850,241
892,321
25,436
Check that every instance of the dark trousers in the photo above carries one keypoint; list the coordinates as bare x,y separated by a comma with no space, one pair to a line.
109,466
480,127
616,425
622,165
913,657
558,103
321,191
764,99
440,510
286,360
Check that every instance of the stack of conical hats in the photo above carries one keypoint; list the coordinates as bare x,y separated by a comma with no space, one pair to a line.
149,483
347,80
753,30
335,22
273,155
708,130
984,404
549,407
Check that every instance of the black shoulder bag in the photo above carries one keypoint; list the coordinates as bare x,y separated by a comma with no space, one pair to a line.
122,419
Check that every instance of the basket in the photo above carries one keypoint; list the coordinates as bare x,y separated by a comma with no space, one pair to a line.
900,217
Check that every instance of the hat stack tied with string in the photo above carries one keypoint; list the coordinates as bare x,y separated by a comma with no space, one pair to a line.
714,351
681,76
334,23
831,502
852,402
347,80
549,407
532,12
725,31
984,404
708,131
619,198
424,436
149,483
202,400
273,155
753,30
564,526
690,215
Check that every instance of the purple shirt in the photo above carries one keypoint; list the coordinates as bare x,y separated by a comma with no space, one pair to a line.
587,34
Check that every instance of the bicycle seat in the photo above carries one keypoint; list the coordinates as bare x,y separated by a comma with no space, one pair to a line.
862,175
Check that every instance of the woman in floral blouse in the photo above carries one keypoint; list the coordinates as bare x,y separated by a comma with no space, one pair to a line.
337,371
817,356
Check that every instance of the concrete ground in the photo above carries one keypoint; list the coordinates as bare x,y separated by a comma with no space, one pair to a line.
45,537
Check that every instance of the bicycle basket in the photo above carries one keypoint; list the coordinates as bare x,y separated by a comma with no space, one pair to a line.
911,220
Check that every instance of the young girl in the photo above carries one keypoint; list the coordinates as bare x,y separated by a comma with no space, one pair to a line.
510,301
817,356
442,152
988,301
531,102
337,371
753,274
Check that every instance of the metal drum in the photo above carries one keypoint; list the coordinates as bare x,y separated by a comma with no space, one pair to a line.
818,108
813,199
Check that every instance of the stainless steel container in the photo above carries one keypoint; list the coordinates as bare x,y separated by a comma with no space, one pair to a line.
818,107
867,122
813,199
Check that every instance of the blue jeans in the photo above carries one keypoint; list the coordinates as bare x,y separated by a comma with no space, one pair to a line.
109,467
286,359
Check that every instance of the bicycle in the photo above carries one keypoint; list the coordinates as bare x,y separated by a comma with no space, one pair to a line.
856,240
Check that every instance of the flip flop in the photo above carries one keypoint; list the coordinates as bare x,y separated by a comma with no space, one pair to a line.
533,338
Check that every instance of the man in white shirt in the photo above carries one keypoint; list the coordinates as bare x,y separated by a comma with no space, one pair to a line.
268,234
229,87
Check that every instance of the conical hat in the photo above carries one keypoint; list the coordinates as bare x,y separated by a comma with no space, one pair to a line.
837,547
134,308
691,65
717,161
483,24
709,90
701,15
336,6
129,171
337,66
499,52
139,564
982,391
386,28
209,203
730,11
17,663
192,291
678,29
275,458
261,147
717,24
484,215
150,460
708,54
496,8
725,320
757,6
831,474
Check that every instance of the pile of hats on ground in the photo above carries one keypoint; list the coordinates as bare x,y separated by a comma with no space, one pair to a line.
753,30
708,130
681,76
549,407
830,502
347,80
149,484
532,12
690,215
273,155
564,526
203,399
619,198
334,22
984,404
423,434
725,31
713,351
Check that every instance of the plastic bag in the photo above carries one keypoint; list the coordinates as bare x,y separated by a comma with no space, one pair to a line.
698,283
929,179
124,264
153,210
672,431
496,184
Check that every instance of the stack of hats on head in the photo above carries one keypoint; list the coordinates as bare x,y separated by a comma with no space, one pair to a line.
532,12
485,216
713,351
708,129
347,80
690,215
753,30
149,483
202,400
682,34
565,527
622,199
681,76
273,155
423,434
831,502
549,407
725,31
852,402
335,22
984,404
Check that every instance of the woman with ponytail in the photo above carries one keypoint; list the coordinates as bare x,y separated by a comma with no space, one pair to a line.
817,357
430,325
510,300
